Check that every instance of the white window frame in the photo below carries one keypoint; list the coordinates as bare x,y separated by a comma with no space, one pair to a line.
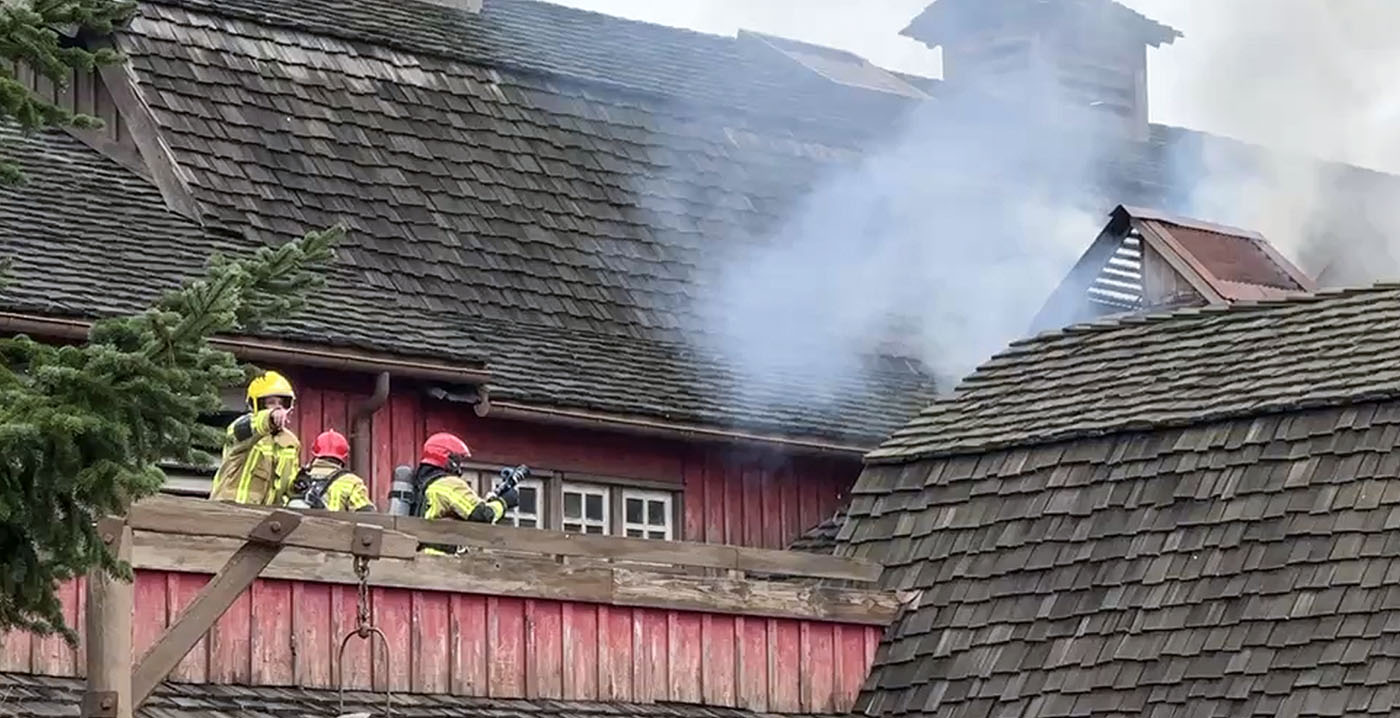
585,490
667,499
513,516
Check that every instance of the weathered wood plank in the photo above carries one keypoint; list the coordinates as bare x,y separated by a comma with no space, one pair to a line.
197,517
752,663
181,588
694,478
544,649
656,682
80,625
152,614
819,669
272,634
506,647
851,665
432,638
719,664
752,598
784,656
358,668
615,654
394,670
311,634
580,651
469,639
684,637
539,578
52,656
226,600
16,651
714,498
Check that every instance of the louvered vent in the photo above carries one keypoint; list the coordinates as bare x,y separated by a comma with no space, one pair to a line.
1119,284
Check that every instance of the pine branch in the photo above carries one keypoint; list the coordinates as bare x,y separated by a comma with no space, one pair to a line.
33,34
83,428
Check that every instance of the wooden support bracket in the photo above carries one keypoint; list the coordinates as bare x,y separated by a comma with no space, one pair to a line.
264,542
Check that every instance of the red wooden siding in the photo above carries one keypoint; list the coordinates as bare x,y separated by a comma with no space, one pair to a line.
731,495
491,646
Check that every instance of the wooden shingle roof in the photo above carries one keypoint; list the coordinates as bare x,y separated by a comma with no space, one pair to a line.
1178,516
1184,367
532,187
29,695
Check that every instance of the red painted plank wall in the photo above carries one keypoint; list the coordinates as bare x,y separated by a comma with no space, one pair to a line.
286,633
730,495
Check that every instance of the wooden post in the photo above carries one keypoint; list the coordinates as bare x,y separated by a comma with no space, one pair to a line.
109,631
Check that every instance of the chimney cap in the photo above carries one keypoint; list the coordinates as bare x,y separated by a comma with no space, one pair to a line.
946,19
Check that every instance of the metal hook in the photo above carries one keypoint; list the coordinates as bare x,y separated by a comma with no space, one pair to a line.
340,668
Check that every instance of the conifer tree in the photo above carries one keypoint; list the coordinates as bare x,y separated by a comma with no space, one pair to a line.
82,428
39,35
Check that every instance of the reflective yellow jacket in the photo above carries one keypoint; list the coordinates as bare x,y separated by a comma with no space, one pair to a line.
452,497
346,493
258,465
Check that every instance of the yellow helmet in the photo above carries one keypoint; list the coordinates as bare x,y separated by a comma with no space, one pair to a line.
269,384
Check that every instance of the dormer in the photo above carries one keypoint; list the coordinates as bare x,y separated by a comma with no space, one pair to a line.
1145,261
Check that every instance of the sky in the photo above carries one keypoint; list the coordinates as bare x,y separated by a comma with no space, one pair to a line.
1312,76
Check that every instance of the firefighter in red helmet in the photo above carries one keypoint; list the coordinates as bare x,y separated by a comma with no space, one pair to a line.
446,495
327,483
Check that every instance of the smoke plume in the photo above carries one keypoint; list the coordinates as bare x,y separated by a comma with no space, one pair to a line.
940,246
1304,81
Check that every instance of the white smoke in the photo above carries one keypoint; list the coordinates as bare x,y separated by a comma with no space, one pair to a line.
940,246
1304,80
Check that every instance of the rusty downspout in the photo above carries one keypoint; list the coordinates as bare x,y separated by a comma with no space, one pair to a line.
360,422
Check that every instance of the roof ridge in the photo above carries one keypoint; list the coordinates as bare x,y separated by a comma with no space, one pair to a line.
1116,321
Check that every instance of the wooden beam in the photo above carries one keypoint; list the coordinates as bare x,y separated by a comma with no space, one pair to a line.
108,627
619,548
120,82
213,600
496,574
199,517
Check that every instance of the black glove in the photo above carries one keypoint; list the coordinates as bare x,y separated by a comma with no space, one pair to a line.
510,498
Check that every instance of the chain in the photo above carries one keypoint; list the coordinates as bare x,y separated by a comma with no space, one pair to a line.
362,624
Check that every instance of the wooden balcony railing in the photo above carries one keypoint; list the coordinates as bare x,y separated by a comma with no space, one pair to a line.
170,535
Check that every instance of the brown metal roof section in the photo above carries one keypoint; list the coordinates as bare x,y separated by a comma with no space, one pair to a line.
1225,264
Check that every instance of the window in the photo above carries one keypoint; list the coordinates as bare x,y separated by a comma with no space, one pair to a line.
586,509
646,514
530,512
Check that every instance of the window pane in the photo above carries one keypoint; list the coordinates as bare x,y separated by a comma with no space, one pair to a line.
634,511
573,505
574,527
528,523
593,529
656,534
528,500
634,533
656,513
593,504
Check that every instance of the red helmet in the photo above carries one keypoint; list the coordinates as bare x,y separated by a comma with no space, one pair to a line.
331,444
444,451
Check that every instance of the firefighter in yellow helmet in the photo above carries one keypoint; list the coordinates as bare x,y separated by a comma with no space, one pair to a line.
260,451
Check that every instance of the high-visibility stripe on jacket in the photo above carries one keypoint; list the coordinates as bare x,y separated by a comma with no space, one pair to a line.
258,465
346,492
451,497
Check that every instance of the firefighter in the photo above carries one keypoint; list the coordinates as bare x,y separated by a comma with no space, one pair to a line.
327,483
446,495
260,451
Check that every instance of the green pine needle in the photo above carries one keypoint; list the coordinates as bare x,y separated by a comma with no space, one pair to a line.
83,428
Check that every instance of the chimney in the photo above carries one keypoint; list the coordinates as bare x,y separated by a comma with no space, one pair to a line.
1074,61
